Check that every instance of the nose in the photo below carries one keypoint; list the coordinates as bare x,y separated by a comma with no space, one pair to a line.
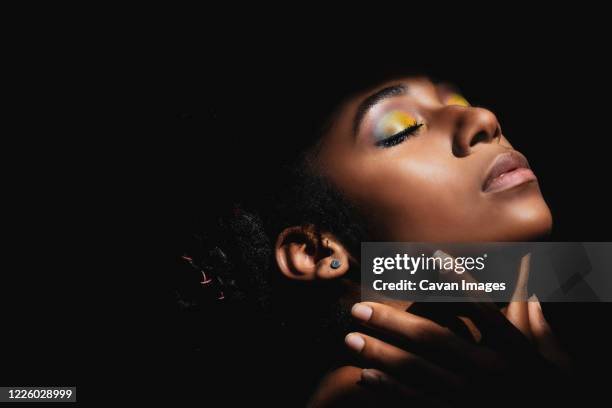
472,127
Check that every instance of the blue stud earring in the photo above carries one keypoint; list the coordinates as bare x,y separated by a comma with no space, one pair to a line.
335,263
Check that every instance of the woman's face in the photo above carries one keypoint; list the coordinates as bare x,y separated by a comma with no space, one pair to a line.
425,166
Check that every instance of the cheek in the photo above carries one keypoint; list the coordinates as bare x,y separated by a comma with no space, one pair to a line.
424,194
417,199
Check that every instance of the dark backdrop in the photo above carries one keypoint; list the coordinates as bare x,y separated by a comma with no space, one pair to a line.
139,143
552,106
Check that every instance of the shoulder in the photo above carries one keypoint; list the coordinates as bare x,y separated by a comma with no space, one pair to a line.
341,387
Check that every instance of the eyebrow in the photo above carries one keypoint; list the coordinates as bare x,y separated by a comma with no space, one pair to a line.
369,102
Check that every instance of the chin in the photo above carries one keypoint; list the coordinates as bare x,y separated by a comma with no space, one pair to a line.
532,222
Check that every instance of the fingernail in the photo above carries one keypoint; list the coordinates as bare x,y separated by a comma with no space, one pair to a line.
439,254
361,311
534,298
538,302
370,376
355,342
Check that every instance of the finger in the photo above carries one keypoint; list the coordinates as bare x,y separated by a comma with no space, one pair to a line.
402,363
496,330
449,317
424,334
517,312
386,384
543,336
401,324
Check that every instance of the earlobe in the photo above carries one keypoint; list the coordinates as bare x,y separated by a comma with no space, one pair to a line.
336,264
302,254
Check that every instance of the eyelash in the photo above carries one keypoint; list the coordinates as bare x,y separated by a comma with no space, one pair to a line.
399,137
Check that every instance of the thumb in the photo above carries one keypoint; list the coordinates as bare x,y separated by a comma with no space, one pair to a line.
545,340
517,311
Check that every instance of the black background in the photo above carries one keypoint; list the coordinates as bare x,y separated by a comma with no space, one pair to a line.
131,145
549,92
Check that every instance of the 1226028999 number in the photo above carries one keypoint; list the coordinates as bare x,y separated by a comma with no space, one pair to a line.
40,393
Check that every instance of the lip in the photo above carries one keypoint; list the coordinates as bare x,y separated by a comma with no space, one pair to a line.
508,170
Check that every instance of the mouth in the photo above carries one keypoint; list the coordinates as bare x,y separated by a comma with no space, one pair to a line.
508,170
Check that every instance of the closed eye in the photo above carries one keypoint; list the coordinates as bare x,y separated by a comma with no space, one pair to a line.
400,136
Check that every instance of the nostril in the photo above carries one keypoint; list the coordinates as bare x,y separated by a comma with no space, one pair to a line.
498,133
479,137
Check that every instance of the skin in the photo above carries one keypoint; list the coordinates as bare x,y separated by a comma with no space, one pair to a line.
428,188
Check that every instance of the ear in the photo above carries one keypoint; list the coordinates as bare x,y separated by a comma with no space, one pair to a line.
303,254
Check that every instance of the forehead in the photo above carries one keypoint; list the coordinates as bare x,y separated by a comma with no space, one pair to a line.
421,88
412,83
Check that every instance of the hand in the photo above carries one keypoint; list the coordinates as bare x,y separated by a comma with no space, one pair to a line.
518,350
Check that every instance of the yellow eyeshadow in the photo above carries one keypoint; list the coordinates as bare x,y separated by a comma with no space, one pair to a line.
394,122
456,99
